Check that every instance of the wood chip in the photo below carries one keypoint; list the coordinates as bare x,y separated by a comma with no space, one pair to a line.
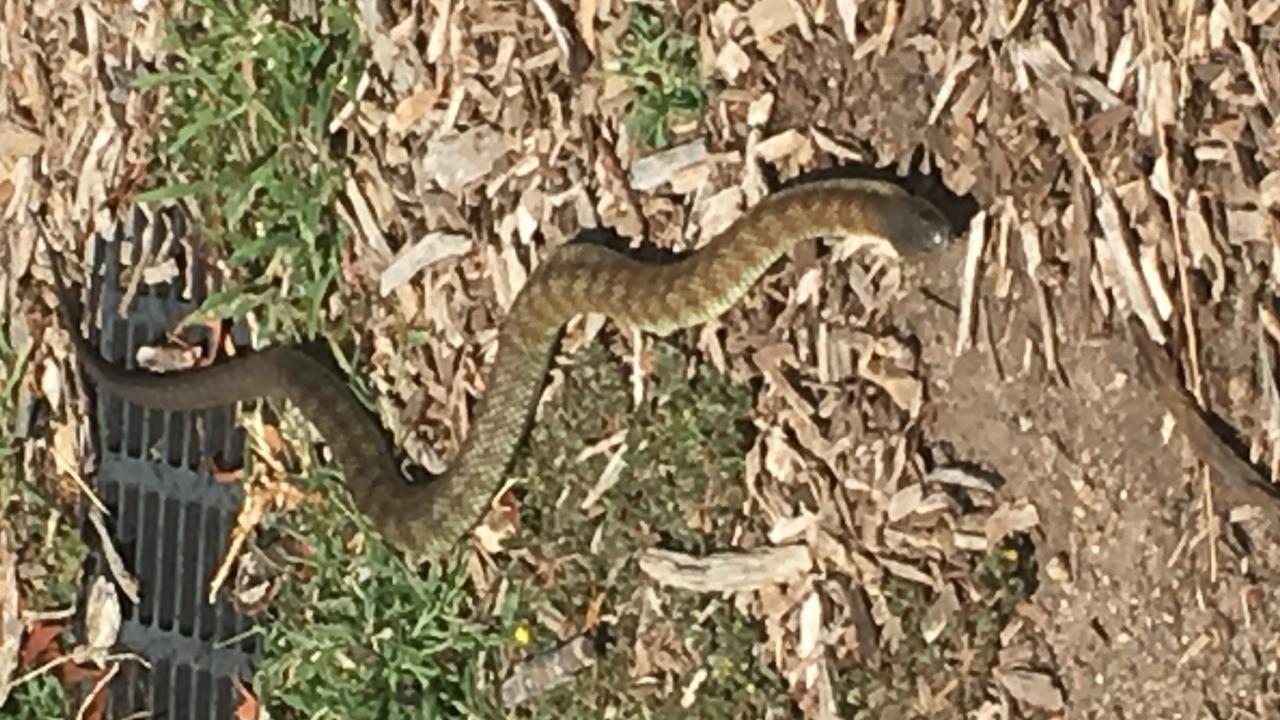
546,671
808,649
939,614
1261,12
969,278
102,615
789,144
1033,688
961,477
412,109
769,17
904,502
115,563
1205,253
649,173
1010,518
1245,225
431,248
728,571
609,477
732,61
456,161
907,572
11,625
1116,234
16,141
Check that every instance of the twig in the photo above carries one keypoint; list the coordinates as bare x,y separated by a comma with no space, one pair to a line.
1237,478
575,51
97,688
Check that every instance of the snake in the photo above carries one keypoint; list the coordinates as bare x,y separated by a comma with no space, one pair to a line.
428,519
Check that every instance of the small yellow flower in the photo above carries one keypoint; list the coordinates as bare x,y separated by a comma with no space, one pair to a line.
522,635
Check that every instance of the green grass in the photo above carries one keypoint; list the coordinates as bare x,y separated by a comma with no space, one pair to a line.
683,483
245,136
661,65
40,698
353,633
356,634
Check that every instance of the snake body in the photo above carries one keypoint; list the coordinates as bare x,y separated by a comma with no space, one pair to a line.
428,518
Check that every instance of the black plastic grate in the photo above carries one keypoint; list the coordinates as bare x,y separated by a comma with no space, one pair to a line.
169,519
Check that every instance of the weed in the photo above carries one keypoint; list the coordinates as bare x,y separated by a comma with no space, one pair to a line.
661,64
246,136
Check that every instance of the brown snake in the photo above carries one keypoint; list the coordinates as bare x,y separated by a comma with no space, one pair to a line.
430,517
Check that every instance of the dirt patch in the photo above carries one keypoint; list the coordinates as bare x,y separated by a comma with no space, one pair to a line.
1140,624
1150,605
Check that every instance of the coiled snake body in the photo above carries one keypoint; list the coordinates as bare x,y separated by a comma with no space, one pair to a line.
429,518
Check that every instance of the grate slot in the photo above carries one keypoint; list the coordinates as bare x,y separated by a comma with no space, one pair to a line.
189,578
149,561
165,577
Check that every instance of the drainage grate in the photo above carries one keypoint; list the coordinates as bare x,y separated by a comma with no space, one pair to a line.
169,519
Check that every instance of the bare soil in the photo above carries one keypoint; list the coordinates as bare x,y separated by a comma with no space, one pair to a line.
1151,607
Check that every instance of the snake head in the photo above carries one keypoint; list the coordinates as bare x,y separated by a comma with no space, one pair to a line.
918,225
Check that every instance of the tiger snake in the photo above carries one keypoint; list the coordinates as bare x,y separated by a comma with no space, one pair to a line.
428,519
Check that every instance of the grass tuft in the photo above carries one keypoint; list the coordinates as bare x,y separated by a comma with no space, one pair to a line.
246,137
661,64
357,634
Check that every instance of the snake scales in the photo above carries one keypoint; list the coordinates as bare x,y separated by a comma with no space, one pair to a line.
429,518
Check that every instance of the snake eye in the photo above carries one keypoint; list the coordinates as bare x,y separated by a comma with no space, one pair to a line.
920,226
939,232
